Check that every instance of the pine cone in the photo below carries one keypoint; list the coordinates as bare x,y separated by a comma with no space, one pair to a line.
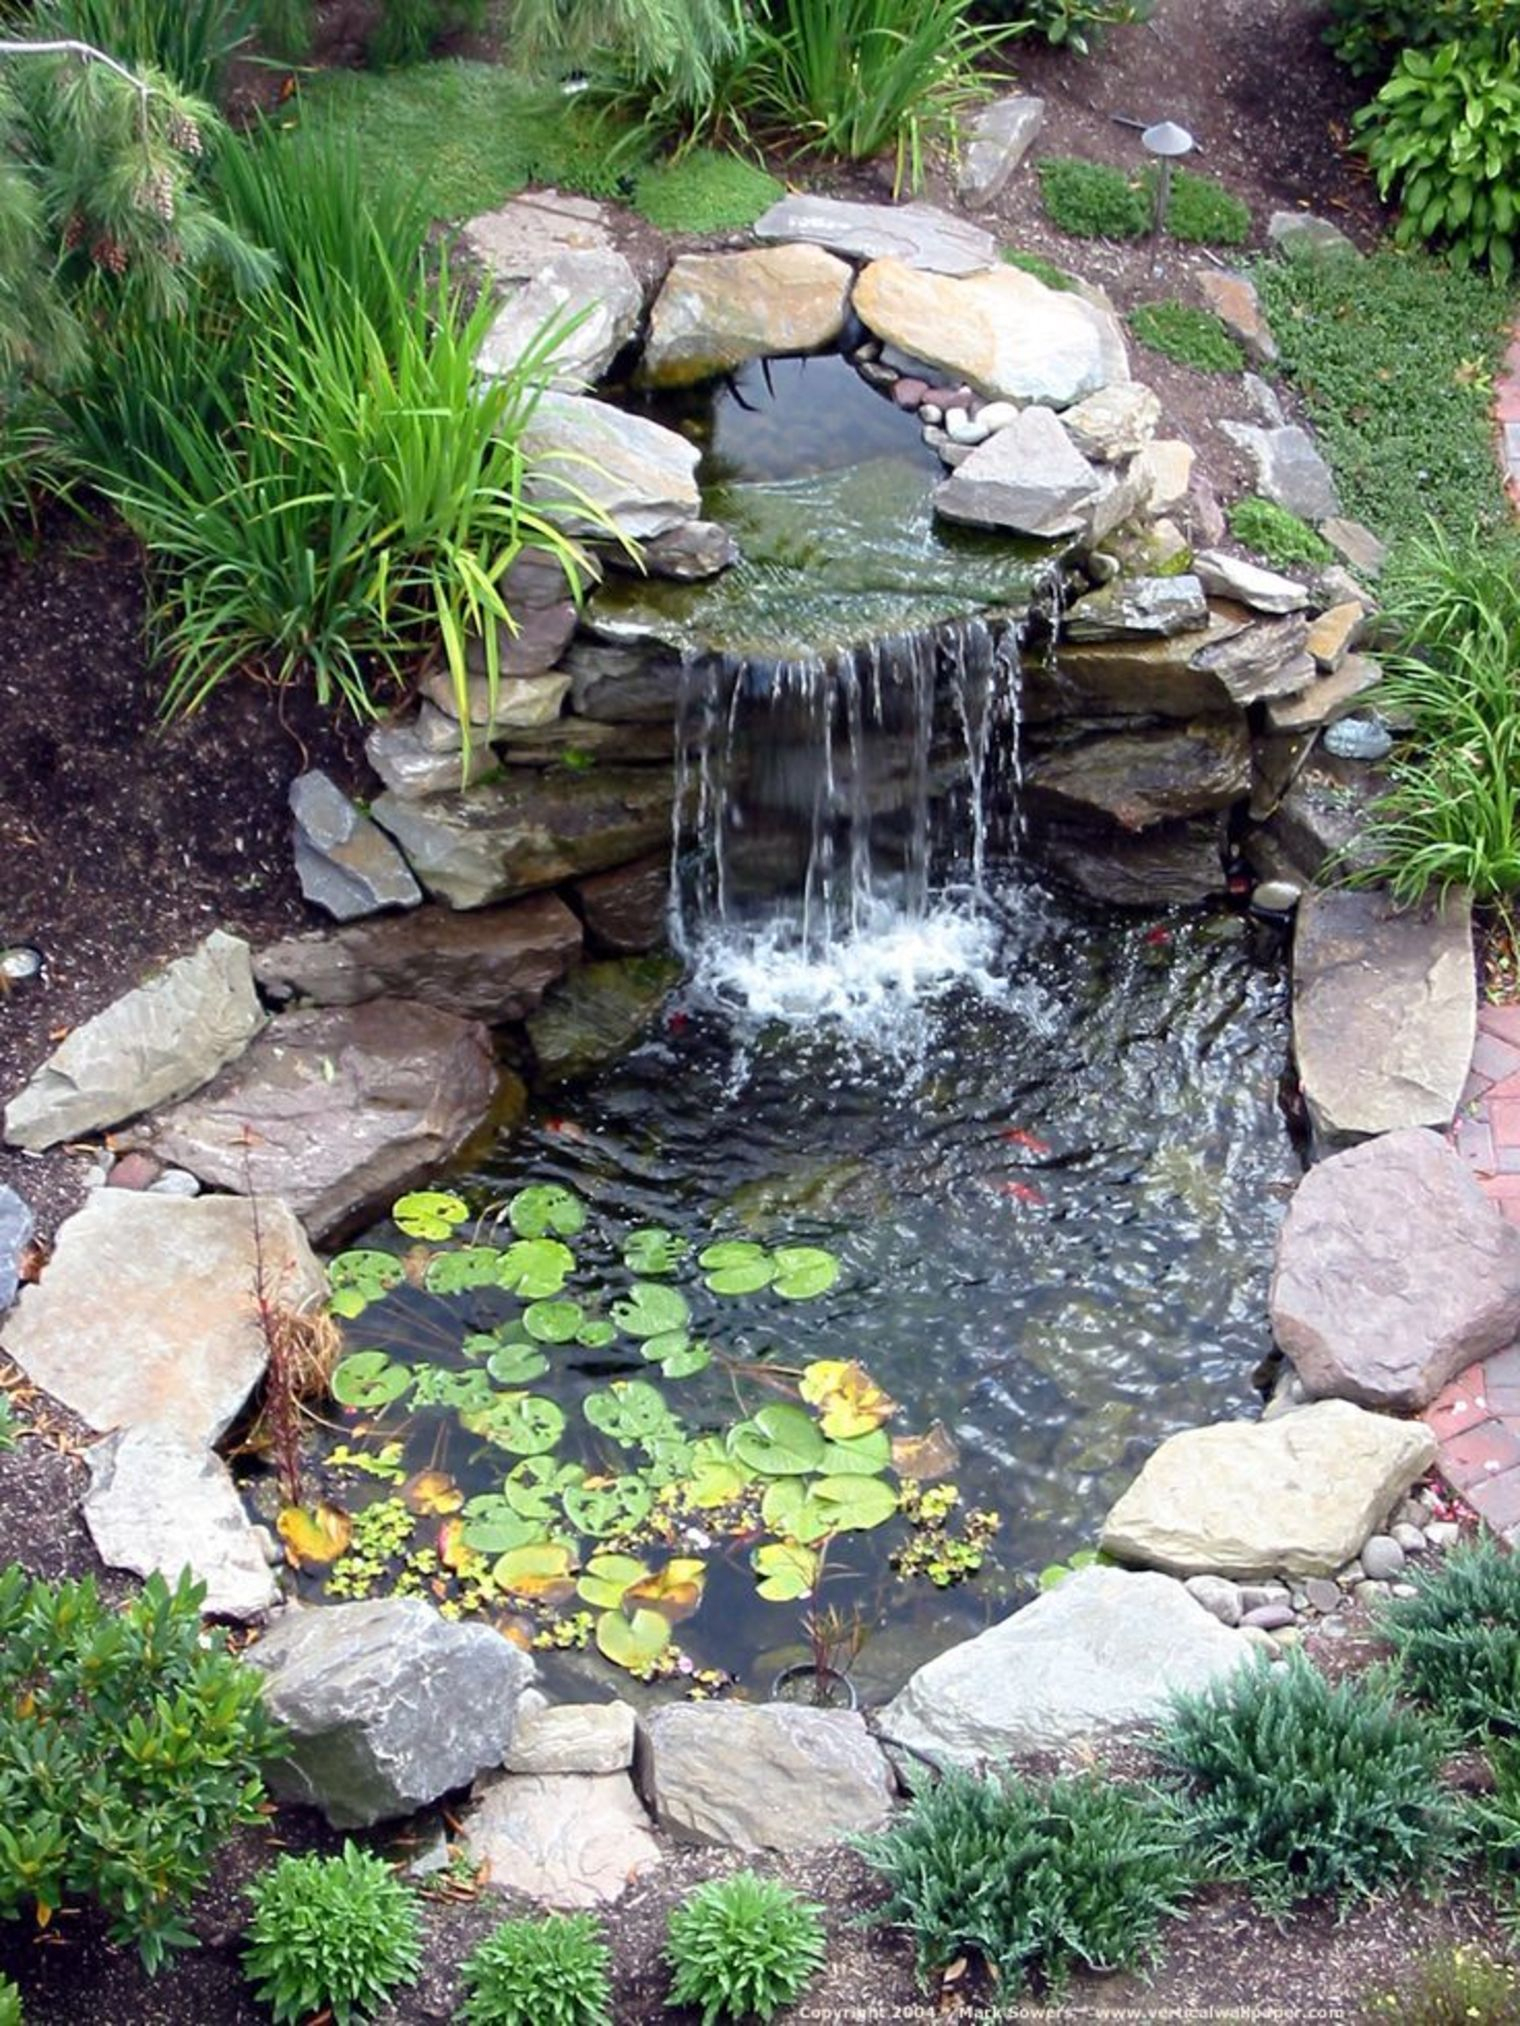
185,135
110,254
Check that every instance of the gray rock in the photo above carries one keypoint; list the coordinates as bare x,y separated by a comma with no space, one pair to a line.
345,864
1028,477
918,234
636,475
1229,576
1276,896
1138,779
1121,502
1359,545
1218,1596
145,1316
158,1502
717,310
1382,1558
1443,1534
613,683
1328,698
1394,1272
597,1014
510,837
777,1776
1323,1594
491,964
996,140
1114,423
1302,235
336,1110
595,285
1254,1595
570,1737
1233,299
410,768
627,910
1137,608
694,549
1268,1617
1262,659
1322,816
1130,678
1384,1011
520,703
175,1182
155,1043
566,1840
1099,1654
1289,469
1241,1498
1362,736
16,1227
389,1706
1261,399
1003,332
1166,469
531,642
1169,865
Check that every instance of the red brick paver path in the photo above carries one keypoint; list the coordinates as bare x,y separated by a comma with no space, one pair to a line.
1477,1419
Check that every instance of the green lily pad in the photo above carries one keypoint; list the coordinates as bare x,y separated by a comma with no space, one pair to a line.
858,1455
717,1481
535,1268
596,1333
369,1379
853,1504
491,1527
429,1213
669,1454
608,1506
534,1487
635,1643
516,1364
606,1577
470,1267
542,1569
781,1441
546,1207
653,1249
463,1392
737,1266
359,1277
677,1354
649,1310
785,1510
553,1322
787,1570
524,1424
629,1410
804,1271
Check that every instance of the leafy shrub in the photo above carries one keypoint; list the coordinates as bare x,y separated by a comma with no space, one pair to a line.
1392,356
1192,337
1444,133
1282,538
1369,35
1457,1643
1304,1790
10,2003
330,1934
1041,268
1036,1878
128,1751
703,191
1092,201
407,29
742,1947
1203,212
1460,1986
1070,24
549,1972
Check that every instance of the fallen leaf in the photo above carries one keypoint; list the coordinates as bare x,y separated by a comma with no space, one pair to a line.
314,1534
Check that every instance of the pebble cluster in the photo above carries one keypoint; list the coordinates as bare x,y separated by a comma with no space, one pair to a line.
955,419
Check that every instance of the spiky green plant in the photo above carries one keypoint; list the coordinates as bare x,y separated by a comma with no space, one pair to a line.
1456,1642
546,1972
337,1935
743,1947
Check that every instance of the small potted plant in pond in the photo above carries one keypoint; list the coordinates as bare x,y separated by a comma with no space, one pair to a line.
834,1638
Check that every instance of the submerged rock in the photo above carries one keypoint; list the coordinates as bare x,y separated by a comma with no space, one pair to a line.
145,1315
597,1014
1298,1494
389,1706
1394,1272
155,1043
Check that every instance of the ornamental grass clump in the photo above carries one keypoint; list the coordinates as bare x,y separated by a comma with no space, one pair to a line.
128,1752
548,1972
1456,1642
334,1935
1302,1790
742,1948
1038,1879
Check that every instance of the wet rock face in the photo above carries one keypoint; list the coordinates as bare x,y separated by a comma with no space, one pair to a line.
1139,779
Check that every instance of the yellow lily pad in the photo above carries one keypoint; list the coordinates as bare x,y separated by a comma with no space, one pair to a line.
314,1534
849,1400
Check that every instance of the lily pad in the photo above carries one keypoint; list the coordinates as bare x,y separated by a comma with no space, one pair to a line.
675,1590
717,1481
516,1364
654,1250
737,1266
849,1399
781,1441
525,1424
636,1643
463,1392
491,1526
649,1310
546,1207
359,1277
470,1267
612,1505
804,1271
596,1333
313,1534
534,1487
535,1268
606,1577
787,1570
369,1379
629,1410
677,1354
433,1494
553,1322
429,1213
859,1455
853,1504
543,1569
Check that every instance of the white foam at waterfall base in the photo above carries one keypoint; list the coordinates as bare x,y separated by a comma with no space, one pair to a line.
877,986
